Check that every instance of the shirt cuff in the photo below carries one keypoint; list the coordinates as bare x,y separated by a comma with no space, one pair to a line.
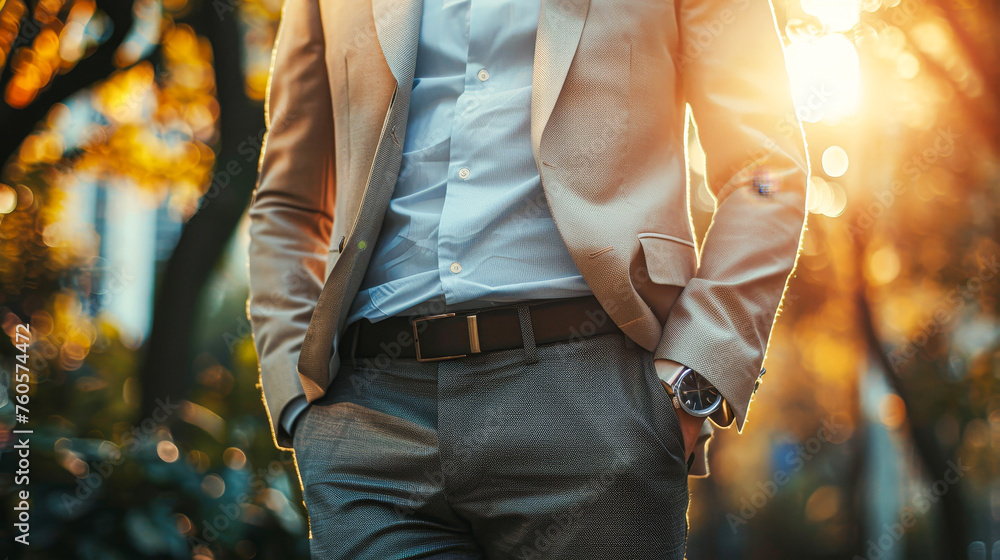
292,412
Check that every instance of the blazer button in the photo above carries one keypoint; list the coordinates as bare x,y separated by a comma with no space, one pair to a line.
756,383
340,247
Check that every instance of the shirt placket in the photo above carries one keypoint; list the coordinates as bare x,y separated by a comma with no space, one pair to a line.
452,268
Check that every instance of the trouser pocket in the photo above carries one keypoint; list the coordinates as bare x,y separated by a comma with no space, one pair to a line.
662,408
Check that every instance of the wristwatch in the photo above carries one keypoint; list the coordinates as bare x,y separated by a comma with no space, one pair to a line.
693,394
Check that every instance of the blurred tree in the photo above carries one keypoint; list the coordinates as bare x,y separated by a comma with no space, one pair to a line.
954,42
166,370
35,74
38,77
135,95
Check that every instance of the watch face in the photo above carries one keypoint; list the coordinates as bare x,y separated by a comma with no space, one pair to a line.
696,395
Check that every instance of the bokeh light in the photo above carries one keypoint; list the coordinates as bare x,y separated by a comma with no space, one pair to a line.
825,76
8,199
835,161
837,15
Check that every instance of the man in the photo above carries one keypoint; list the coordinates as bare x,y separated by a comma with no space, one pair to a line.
514,344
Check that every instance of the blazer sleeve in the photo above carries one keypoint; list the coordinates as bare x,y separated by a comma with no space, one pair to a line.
732,66
291,214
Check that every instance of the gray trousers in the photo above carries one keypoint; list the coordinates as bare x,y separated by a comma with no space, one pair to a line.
569,450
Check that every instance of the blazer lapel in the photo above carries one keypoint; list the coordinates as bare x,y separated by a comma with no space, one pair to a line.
560,25
397,23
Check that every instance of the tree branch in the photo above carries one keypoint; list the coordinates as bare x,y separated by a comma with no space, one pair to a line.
20,123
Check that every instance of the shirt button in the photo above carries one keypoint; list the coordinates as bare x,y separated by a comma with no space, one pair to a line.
455,267
483,75
464,172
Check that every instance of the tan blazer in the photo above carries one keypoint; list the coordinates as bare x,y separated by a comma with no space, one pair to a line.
610,83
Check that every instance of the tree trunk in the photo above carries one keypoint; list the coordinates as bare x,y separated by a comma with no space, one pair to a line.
166,372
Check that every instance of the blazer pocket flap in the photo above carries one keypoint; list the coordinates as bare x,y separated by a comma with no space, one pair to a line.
669,260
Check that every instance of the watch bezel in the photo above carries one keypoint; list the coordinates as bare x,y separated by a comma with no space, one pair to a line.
679,402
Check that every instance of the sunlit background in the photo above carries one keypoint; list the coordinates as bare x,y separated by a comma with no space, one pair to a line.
131,132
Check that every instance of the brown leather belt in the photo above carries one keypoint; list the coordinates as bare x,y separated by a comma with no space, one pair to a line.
459,334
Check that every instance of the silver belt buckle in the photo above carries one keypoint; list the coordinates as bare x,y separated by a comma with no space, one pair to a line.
472,323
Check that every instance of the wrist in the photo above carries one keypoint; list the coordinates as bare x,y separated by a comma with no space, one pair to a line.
673,374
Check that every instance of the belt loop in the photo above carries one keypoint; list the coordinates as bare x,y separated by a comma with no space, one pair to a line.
527,334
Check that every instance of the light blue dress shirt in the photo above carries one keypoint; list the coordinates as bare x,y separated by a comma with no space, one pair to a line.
468,222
